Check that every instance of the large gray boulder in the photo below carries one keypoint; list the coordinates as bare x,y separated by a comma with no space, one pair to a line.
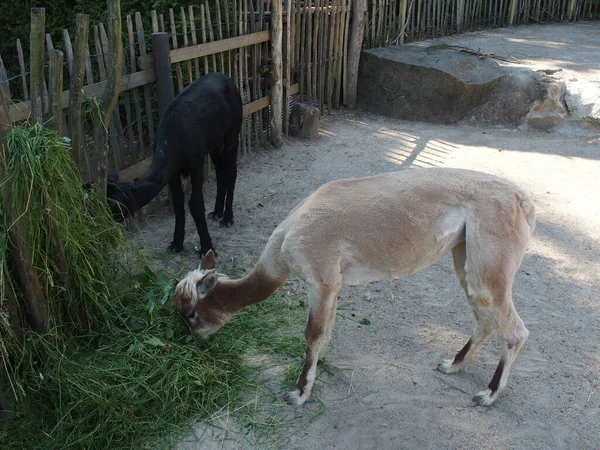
431,83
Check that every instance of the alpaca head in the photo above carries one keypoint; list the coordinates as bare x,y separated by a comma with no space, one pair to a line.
119,195
198,303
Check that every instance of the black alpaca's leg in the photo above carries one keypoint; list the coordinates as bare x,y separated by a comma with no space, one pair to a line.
217,159
196,205
176,189
230,175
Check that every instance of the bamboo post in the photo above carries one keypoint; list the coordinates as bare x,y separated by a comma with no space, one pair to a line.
162,71
357,30
403,6
460,6
55,87
108,102
287,67
276,88
513,12
36,63
571,10
76,85
23,71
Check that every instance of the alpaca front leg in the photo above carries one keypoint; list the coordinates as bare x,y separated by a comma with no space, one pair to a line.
196,205
323,301
177,197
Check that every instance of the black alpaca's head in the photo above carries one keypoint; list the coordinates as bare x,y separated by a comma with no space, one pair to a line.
120,197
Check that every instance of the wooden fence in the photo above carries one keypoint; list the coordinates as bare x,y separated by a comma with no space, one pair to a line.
392,22
232,37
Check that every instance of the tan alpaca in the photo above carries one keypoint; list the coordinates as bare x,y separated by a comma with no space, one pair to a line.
356,231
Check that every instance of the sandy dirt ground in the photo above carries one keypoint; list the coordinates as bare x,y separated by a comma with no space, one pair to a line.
381,389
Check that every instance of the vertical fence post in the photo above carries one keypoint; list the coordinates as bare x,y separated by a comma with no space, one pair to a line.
512,12
460,8
36,63
276,88
357,32
55,86
571,10
287,67
76,85
162,71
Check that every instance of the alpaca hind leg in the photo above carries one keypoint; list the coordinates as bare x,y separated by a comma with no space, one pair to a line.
217,158
230,176
482,329
177,197
491,267
196,205
513,334
323,302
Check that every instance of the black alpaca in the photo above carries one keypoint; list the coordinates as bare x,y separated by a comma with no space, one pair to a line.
206,117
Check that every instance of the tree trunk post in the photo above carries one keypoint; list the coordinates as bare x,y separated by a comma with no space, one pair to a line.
28,282
36,63
162,71
357,32
110,97
55,86
276,88
76,86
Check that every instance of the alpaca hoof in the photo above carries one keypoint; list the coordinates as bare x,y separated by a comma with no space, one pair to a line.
294,398
175,247
447,366
485,397
215,215
226,223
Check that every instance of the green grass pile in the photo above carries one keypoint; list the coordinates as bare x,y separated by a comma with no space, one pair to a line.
132,377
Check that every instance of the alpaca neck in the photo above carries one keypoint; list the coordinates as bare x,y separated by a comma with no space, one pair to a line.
255,287
153,181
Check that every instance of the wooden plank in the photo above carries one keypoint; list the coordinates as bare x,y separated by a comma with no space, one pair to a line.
115,125
178,70
220,22
135,171
313,48
136,93
54,93
211,34
99,56
345,56
68,50
330,64
338,53
36,64
287,62
23,71
209,48
141,37
194,37
276,91
203,24
247,61
253,70
20,111
188,63
303,19
4,84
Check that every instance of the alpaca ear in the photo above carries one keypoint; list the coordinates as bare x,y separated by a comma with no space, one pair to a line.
206,285
209,261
